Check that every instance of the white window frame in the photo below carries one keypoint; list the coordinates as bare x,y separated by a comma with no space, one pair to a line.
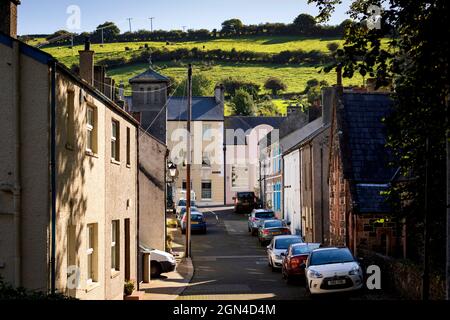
90,252
115,139
211,189
90,129
115,246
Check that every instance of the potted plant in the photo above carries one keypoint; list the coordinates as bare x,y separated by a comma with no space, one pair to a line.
129,288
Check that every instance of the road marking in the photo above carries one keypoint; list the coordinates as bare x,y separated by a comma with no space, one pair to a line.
215,258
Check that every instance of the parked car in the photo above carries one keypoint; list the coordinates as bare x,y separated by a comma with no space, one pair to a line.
198,223
182,205
331,270
257,217
296,256
278,247
183,212
270,229
161,262
244,202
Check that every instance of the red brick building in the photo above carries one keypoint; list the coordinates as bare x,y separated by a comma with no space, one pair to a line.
360,216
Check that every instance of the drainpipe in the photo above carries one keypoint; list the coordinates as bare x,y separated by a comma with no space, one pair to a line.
138,225
16,188
53,178
321,196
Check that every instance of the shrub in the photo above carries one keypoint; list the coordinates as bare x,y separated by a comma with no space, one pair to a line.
129,288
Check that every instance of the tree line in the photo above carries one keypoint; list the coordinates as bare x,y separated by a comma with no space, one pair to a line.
303,25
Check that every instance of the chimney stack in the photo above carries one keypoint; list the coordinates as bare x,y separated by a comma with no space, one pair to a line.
8,17
87,63
219,93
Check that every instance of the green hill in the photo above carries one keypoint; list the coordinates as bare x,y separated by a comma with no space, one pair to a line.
294,75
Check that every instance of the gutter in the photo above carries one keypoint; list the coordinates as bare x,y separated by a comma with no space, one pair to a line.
53,176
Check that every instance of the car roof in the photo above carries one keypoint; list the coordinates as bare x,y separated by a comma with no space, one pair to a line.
331,248
287,237
272,220
304,244
263,211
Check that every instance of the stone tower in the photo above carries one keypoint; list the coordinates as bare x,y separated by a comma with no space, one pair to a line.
149,98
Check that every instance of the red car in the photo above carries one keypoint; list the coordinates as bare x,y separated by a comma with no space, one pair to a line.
294,260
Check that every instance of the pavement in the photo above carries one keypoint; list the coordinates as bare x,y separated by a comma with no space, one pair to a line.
171,285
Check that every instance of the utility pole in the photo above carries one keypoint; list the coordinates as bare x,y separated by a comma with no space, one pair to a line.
129,23
151,23
426,253
448,200
188,166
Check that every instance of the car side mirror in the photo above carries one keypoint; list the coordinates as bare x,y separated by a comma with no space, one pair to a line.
283,254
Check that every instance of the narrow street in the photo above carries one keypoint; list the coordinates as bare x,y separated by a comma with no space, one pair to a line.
231,265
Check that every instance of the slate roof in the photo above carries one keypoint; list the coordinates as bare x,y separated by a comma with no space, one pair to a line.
203,109
246,124
149,75
363,144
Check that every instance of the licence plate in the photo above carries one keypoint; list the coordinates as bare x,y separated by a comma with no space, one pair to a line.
336,282
195,223
276,233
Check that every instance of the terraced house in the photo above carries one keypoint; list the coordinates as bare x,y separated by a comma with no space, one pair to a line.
68,176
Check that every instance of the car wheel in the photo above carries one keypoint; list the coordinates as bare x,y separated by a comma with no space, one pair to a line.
155,269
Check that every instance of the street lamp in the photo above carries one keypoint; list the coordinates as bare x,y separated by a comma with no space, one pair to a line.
173,171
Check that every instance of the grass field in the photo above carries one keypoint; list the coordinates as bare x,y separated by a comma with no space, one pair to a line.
294,76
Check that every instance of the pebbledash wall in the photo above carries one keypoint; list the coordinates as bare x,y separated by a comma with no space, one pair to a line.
92,191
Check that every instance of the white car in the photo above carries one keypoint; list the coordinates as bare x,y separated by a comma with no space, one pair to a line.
331,270
277,247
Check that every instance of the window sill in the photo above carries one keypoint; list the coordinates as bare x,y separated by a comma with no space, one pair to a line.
129,166
114,274
92,286
117,163
91,154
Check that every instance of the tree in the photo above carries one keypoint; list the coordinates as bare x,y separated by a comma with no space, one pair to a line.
110,32
232,85
266,108
333,47
305,24
242,104
275,85
417,63
232,27
201,86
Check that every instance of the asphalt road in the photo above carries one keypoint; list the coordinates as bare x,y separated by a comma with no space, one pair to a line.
231,265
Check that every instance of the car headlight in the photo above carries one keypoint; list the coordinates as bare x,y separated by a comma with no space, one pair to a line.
314,274
278,257
355,271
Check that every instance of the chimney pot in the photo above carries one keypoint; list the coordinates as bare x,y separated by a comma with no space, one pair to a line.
87,44
8,17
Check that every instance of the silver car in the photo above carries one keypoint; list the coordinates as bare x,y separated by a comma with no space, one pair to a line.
257,217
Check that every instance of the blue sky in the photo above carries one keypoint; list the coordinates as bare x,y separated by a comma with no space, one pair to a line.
47,16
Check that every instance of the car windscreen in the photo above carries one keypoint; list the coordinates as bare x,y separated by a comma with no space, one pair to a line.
246,196
197,217
283,244
273,224
182,203
265,215
331,257
306,249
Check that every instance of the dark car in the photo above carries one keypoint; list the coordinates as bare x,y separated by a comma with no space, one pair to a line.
257,217
295,259
270,229
198,223
245,202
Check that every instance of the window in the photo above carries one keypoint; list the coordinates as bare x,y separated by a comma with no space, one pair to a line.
70,120
206,190
115,141
206,160
91,130
207,132
115,246
128,147
92,270
184,186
